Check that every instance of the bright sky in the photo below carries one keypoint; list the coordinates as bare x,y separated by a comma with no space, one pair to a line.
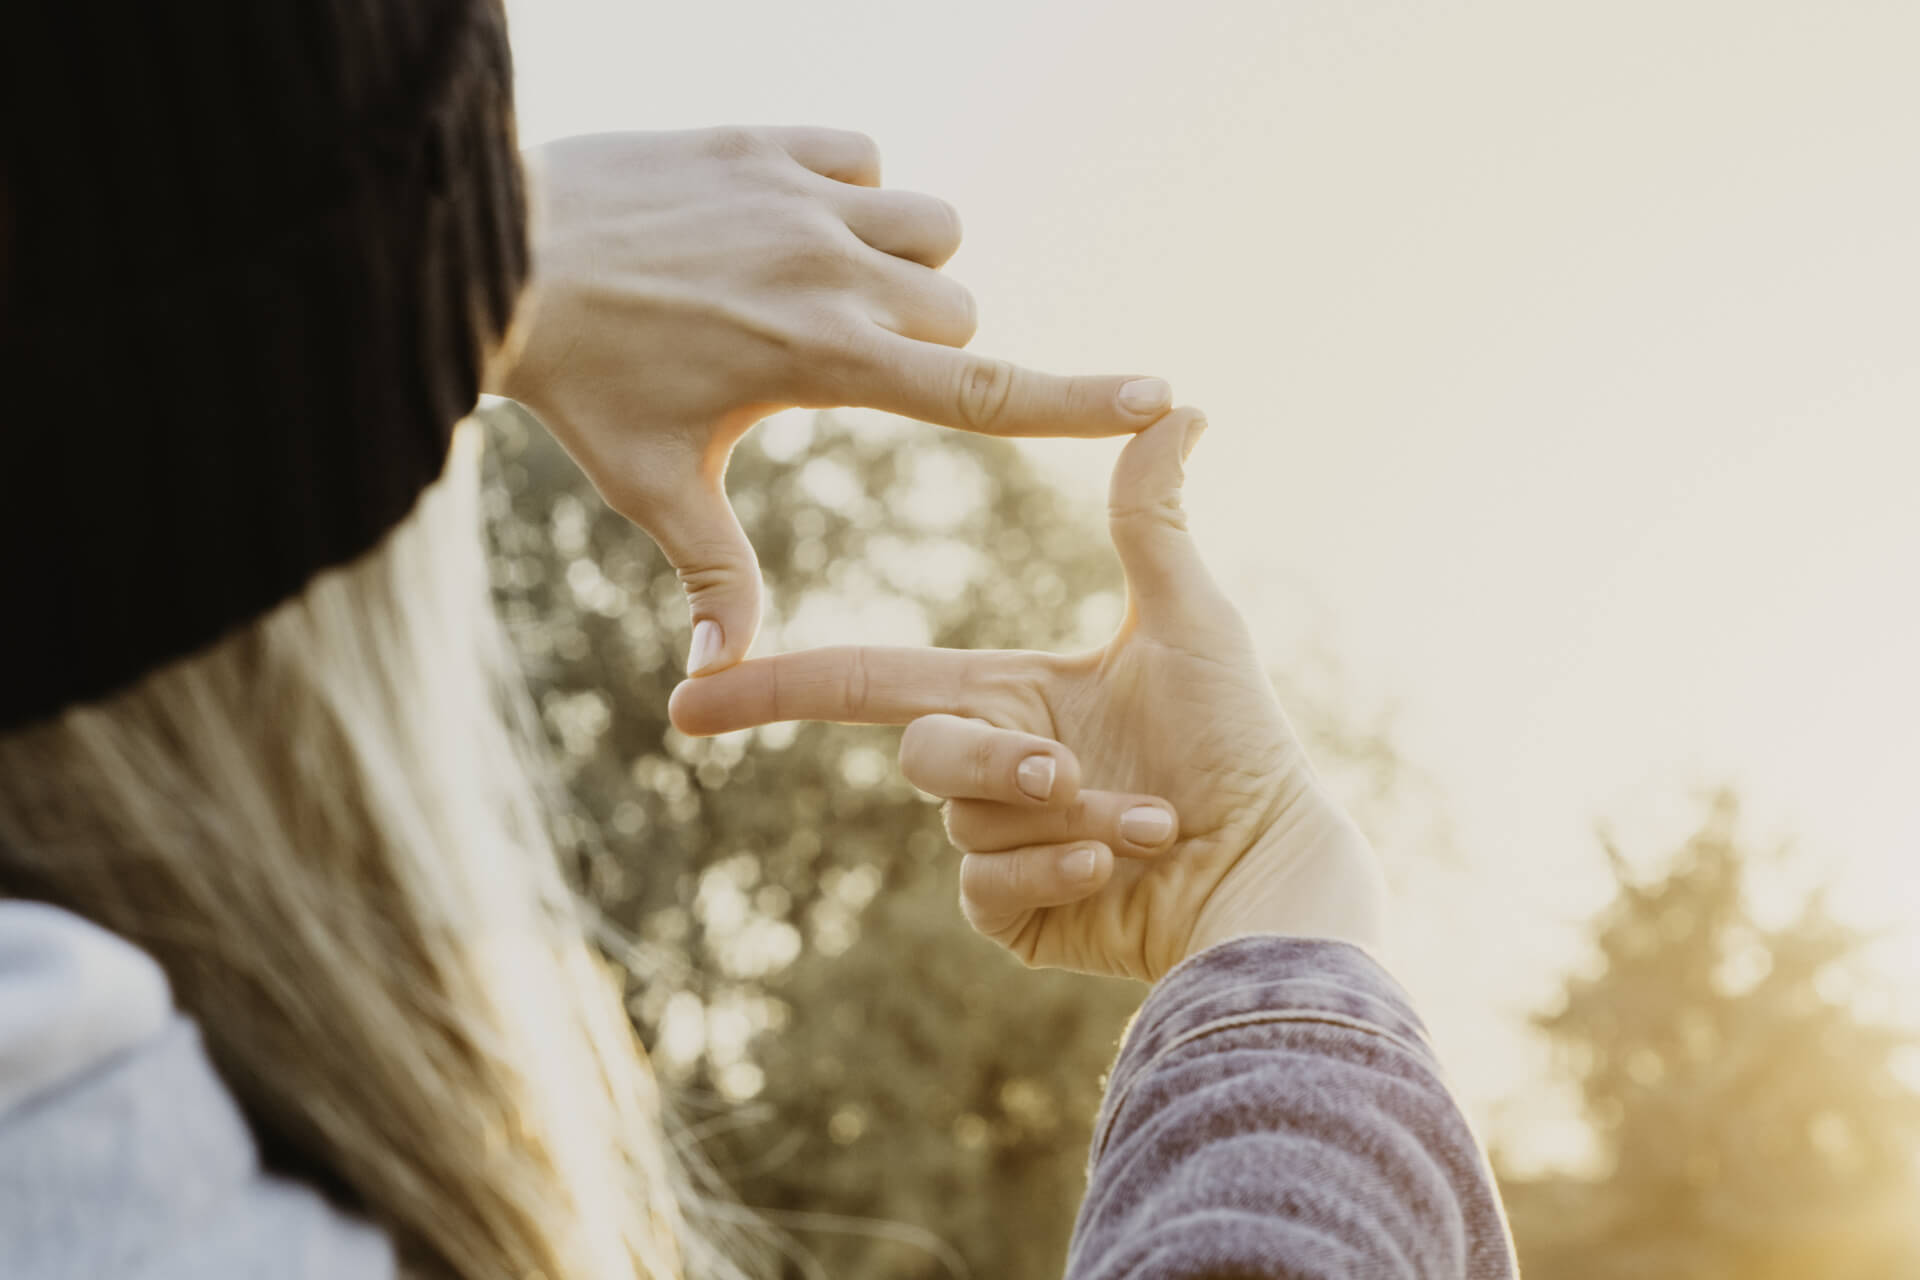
1563,363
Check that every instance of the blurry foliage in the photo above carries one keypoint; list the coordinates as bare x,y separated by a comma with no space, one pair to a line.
895,1092
1752,1125
904,1099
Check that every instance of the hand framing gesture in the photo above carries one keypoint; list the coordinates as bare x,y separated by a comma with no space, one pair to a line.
688,284
1119,809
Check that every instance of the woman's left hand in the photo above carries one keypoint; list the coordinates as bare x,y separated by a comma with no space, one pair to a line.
1210,824
687,284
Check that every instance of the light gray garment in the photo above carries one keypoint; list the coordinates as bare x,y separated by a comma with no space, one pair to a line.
1276,1114
121,1152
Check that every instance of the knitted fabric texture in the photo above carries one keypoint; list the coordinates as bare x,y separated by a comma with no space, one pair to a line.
252,257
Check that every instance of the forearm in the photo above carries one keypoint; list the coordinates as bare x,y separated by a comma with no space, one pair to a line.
1277,1111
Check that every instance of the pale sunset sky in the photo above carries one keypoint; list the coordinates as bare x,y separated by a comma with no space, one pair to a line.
1563,364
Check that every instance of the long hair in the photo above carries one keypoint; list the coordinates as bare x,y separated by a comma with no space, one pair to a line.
329,829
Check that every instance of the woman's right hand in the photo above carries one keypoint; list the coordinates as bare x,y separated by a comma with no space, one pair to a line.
1172,717
687,284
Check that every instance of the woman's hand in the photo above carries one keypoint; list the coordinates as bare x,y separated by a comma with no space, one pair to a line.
685,285
1175,706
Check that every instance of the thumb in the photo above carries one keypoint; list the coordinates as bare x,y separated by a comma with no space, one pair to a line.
701,536
1168,585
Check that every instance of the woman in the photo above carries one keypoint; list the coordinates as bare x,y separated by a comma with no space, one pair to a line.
289,983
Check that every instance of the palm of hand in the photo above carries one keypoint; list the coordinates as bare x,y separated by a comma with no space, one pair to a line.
1201,730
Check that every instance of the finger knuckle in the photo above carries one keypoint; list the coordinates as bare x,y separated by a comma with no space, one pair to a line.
859,685
933,222
708,570
947,221
1075,819
736,142
816,253
863,153
1164,512
966,311
985,388
983,766
1028,877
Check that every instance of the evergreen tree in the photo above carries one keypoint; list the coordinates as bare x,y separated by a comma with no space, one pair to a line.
1750,1124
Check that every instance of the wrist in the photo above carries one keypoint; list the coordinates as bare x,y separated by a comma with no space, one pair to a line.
1311,876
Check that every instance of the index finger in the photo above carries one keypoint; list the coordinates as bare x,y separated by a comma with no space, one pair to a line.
952,388
852,684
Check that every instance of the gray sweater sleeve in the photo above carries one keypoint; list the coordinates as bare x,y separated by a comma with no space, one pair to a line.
1277,1112
121,1152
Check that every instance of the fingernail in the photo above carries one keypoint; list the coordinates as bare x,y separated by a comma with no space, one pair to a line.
1194,432
1145,395
1081,865
1146,826
1035,776
706,646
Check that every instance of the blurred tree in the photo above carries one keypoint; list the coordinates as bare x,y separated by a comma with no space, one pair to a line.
1751,1125
896,1093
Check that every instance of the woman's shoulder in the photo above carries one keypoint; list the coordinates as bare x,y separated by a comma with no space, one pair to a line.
72,997
121,1150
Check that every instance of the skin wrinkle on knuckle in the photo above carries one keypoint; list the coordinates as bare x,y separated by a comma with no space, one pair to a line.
699,583
790,184
1164,512
1021,879
810,261
982,762
984,390
707,568
962,678
735,142
858,684
774,692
